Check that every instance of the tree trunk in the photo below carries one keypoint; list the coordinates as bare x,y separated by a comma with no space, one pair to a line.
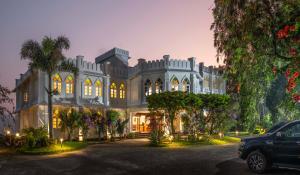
50,106
172,126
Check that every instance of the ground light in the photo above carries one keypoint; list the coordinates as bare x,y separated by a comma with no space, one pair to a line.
220,135
61,141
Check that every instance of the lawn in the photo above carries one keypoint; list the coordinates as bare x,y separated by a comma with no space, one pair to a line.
56,148
213,140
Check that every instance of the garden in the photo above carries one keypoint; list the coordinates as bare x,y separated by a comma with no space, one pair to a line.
206,119
37,141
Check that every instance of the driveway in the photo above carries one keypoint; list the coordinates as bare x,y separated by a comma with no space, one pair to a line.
133,157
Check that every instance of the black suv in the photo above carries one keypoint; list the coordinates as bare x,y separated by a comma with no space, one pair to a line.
279,147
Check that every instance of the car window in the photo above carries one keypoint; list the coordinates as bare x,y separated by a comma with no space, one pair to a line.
275,127
293,131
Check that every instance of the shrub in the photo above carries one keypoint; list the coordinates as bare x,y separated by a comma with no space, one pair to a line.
36,137
121,124
155,137
131,135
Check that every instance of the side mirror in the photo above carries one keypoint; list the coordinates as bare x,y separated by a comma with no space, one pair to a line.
279,134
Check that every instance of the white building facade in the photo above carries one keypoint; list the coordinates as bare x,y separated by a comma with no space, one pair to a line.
110,83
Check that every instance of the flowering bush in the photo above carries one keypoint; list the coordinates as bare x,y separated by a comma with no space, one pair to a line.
288,48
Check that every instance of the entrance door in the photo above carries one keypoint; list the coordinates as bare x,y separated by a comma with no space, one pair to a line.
140,123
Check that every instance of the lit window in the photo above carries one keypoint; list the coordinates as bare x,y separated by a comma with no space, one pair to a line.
87,87
148,87
25,96
57,83
69,84
122,90
55,119
158,86
113,90
174,84
186,85
98,86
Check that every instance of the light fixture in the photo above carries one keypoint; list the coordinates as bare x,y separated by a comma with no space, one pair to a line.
61,141
220,135
8,132
236,132
80,138
17,134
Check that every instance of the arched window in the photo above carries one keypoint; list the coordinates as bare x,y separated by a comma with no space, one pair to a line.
98,86
122,90
148,87
69,84
158,86
174,84
55,118
57,83
186,85
113,90
87,87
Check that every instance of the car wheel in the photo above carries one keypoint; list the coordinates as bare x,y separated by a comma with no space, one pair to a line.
257,162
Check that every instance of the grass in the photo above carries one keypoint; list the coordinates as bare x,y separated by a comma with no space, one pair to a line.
56,148
213,140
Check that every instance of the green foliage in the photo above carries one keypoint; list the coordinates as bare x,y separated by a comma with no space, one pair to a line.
111,121
246,36
275,96
131,135
259,130
36,137
157,127
4,100
170,103
98,120
215,106
121,124
267,121
155,137
193,119
70,120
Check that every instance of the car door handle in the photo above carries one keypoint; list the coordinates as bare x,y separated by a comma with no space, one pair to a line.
298,142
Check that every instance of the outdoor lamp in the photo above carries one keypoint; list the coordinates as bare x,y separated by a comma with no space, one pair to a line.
236,132
17,134
220,135
61,141
8,132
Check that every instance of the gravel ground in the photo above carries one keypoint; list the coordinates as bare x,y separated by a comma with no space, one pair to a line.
133,157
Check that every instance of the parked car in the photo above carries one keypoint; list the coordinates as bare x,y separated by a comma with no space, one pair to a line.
279,147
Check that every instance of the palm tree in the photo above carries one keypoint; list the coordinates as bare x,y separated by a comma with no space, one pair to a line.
47,56
70,120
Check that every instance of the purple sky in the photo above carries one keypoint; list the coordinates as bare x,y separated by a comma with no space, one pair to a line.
146,28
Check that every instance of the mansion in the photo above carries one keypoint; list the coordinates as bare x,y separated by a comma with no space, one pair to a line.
110,83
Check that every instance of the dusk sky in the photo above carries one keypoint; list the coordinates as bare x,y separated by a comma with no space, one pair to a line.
146,28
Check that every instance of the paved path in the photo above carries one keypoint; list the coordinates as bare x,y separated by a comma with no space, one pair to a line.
133,157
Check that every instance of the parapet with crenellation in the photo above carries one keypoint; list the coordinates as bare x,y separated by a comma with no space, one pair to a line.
83,65
162,64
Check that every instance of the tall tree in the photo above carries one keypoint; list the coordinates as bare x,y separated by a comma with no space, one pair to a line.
47,56
245,33
4,100
194,109
275,96
170,103
215,106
